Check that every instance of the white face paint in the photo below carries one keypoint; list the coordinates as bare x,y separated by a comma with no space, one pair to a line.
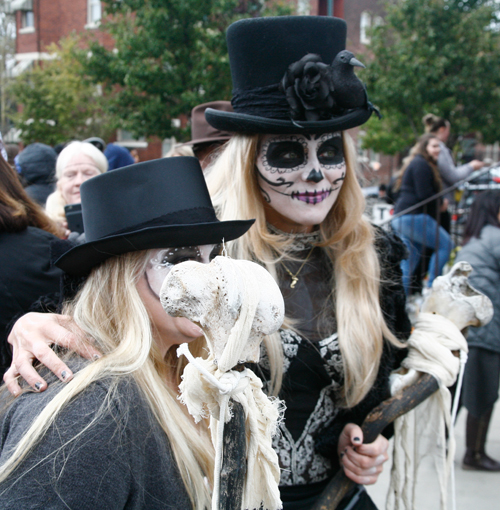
164,259
300,177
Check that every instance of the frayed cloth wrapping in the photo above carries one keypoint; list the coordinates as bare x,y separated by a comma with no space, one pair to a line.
419,431
209,397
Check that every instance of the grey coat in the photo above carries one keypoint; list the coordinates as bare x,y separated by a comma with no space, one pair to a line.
120,461
484,256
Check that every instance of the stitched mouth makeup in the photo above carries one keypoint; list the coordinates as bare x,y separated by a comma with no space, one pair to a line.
312,197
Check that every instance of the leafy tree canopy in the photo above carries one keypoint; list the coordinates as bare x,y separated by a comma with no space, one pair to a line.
170,56
58,102
434,56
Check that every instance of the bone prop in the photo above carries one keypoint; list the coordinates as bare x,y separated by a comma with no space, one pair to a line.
451,297
236,303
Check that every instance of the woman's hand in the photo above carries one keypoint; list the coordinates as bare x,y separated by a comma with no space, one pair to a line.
31,338
362,463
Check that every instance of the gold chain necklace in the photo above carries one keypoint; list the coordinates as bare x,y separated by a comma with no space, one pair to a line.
295,277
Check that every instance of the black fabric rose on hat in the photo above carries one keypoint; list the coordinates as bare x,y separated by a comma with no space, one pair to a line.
308,87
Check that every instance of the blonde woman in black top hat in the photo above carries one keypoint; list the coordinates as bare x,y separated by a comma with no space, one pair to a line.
115,436
291,166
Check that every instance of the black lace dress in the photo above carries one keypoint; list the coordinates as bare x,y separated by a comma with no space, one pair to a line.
313,371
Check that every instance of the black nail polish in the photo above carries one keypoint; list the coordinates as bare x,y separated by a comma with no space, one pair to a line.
353,448
64,375
38,385
357,439
95,357
342,455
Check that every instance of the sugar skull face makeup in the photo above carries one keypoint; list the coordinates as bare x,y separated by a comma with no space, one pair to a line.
164,259
300,176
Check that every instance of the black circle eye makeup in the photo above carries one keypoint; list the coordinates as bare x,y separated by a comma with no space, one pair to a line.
331,150
283,155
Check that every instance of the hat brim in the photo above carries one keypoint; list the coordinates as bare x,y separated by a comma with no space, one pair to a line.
81,259
205,140
250,124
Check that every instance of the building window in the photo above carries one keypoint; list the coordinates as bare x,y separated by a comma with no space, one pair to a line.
365,24
27,19
94,12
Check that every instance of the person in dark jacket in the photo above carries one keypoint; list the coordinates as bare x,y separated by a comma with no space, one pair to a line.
482,372
25,270
420,228
38,167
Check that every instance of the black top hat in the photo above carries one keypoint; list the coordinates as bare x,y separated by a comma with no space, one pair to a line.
155,204
275,90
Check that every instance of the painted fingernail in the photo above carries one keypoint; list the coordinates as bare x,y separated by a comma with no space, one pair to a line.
64,375
353,448
342,455
95,357
357,440
38,385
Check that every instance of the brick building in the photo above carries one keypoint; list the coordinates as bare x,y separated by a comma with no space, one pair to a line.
43,22
40,23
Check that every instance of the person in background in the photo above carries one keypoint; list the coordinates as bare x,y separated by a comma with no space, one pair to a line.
37,164
482,372
180,150
420,228
12,150
135,155
449,172
25,270
117,156
206,140
76,163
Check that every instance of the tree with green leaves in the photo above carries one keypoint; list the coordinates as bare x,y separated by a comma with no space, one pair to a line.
169,56
437,56
7,51
59,103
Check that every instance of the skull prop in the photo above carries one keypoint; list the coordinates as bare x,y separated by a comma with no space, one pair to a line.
453,297
235,302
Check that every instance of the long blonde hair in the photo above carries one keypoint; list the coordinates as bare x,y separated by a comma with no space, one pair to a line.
109,310
347,238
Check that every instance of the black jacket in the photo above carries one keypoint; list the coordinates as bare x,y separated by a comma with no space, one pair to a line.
26,275
418,184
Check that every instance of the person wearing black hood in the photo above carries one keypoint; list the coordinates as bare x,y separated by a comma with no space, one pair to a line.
38,167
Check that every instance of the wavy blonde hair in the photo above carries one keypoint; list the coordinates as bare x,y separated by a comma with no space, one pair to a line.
347,238
109,310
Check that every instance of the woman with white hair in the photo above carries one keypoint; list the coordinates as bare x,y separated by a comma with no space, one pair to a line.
115,436
77,162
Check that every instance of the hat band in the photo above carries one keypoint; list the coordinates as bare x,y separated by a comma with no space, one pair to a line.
268,102
185,217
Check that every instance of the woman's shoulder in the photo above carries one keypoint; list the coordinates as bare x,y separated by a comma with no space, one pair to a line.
104,450
419,163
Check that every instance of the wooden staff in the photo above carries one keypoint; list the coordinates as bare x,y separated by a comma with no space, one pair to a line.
234,461
384,414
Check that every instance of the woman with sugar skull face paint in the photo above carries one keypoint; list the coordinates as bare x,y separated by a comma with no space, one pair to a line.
117,425
291,166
